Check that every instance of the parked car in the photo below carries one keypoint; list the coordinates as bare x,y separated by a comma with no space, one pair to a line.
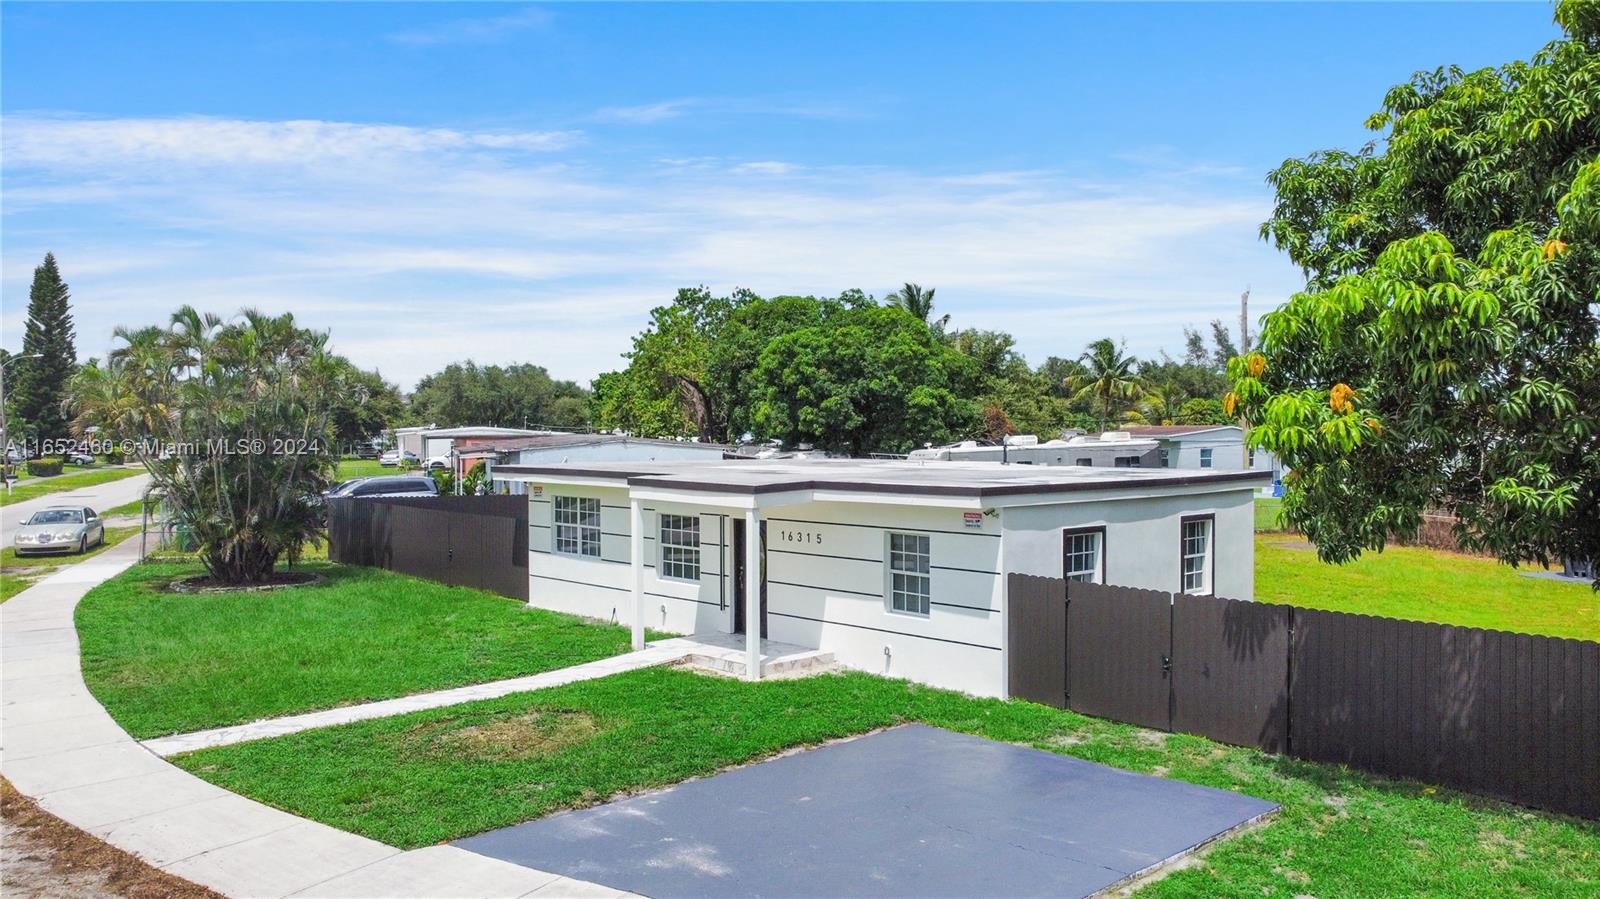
438,463
394,456
367,451
77,457
60,529
385,485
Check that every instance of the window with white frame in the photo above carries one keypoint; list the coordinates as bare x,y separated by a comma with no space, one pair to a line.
1205,458
577,521
1083,555
679,539
910,585
1197,555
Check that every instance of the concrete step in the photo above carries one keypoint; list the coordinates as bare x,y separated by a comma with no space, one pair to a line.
794,664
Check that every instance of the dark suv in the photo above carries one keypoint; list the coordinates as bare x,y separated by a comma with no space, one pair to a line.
385,485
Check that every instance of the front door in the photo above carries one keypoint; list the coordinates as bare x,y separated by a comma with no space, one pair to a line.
738,577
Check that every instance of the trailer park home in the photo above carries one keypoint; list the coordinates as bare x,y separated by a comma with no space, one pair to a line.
894,567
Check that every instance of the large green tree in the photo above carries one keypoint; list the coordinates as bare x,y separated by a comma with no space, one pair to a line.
233,421
512,396
367,407
40,388
1444,351
870,379
690,371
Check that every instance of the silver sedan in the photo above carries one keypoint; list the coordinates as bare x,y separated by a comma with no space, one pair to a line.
60,529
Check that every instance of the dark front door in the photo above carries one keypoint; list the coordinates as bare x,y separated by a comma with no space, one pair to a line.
738,577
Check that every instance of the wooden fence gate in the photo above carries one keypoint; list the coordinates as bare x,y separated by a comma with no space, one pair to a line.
468,541
1508,715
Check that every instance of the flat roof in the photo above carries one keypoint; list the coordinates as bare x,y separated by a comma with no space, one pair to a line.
933,478
1173,430
561,440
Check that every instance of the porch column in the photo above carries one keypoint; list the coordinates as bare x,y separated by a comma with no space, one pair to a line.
752,595
636,556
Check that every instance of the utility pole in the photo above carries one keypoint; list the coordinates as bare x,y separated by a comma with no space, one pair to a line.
1244,349
1244,321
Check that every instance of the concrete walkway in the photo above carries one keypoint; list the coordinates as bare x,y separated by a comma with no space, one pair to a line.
58,745
706,651
662,652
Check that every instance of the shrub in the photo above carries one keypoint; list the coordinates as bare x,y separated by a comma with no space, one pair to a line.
44,468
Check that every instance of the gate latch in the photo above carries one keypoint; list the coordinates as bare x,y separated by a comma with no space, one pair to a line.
1166,664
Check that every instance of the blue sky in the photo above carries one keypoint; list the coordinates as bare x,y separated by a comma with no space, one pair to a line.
510,183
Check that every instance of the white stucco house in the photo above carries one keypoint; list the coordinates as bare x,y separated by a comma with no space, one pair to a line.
1114,449
1219,447
560,449
894,567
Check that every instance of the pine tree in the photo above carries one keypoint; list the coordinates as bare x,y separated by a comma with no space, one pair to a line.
42,383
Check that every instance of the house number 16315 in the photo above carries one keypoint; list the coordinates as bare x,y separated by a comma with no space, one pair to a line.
802,537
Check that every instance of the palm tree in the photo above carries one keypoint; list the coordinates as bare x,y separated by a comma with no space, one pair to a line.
918,301
1108,378
232,420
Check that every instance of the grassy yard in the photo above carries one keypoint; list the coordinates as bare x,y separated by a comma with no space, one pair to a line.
1267,510
360,468
17,573
429,776
1425,585
166,663
72,478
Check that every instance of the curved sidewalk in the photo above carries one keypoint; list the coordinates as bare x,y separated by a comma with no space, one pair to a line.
59,746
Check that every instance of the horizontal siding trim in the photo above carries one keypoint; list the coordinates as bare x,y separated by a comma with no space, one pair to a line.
546,577
704,602
882,630
824,589
796,552
956,605
884,527
967,570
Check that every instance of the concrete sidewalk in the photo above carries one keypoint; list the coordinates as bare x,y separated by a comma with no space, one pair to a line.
58,745
98,497
661,652
708,651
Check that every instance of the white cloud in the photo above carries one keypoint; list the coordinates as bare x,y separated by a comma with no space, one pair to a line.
111,145
767,167
646,114
474,31
664,110
421,246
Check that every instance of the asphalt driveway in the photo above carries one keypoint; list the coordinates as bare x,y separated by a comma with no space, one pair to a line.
910,811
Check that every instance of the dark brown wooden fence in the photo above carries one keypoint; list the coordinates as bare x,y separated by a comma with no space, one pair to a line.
1512,716
469,541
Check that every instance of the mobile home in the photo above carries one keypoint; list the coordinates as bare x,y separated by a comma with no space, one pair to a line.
894,567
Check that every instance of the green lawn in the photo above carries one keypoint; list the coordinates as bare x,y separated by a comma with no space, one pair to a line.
421,778
134,509
1425,585
72,478
360,468
17,573
166,663
1267,510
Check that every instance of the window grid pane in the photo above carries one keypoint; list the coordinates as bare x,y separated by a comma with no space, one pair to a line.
910,584
680,547
1196,555
577,520
1083,557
